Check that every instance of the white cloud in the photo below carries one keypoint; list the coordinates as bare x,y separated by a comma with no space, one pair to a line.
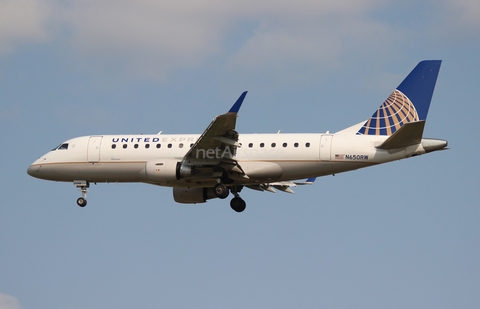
466,12
22,21
152,39
9,302
313,35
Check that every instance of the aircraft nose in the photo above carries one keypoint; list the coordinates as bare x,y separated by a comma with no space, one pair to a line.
33,170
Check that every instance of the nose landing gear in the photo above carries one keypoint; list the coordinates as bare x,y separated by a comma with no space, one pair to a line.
82,202
83,185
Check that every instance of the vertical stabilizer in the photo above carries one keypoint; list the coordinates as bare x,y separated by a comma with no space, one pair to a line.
408,103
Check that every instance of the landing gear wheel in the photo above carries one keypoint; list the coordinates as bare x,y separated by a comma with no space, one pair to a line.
83,185
238,204
221,190
81,202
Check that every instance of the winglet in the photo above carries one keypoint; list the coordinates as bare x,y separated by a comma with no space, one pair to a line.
237,104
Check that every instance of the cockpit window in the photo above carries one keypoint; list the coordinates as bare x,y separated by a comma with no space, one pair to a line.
61,147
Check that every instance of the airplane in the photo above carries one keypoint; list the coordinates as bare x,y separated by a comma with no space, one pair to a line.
221,161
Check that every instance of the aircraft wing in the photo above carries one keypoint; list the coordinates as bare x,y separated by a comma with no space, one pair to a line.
284,186
218,143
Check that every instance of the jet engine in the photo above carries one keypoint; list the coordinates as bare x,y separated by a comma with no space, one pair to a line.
193,195
167,170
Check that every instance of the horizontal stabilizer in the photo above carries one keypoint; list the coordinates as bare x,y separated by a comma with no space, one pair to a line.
408,135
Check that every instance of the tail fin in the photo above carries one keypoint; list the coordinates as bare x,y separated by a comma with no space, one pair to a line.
408,103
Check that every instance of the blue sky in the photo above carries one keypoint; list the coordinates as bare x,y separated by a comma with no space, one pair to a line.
401,235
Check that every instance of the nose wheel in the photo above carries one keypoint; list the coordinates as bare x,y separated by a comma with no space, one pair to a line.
82,202
83,185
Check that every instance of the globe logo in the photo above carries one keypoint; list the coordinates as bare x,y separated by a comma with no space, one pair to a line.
392,114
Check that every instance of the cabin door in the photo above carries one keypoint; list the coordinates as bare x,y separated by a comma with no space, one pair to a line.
93,149
325,147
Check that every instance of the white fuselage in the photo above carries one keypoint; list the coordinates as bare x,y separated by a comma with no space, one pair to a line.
263,157
221,161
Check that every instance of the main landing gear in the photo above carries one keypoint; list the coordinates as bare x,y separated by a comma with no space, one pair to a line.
83,185
221,190
237,203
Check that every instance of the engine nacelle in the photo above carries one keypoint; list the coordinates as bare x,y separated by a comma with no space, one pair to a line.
166,170
192,195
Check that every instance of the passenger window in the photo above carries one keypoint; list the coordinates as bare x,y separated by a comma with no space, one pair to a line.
159,145
273,145
191,145
147,146
261,145
180,145
124,146
284,145
169,146
295,145
135,146
307,145
114,146
250,145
